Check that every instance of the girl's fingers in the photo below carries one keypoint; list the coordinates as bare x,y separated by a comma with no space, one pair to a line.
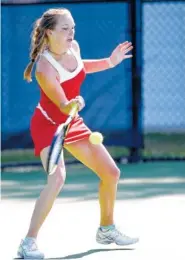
126,44
80,102
128,56
127,50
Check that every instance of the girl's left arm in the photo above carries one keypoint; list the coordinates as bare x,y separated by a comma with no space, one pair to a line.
118,55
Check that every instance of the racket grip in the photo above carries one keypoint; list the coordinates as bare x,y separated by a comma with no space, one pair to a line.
71,114
73,110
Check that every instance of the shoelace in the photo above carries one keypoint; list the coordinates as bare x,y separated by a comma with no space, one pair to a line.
117,233
31,245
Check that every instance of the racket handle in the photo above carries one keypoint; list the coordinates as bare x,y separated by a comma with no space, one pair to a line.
71,114
73,110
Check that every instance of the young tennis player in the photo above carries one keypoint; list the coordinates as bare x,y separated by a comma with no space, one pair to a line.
60,72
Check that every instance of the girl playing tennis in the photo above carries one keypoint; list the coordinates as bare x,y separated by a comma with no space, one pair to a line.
60,72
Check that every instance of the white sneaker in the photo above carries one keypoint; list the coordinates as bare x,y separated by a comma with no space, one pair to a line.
114,236
28,249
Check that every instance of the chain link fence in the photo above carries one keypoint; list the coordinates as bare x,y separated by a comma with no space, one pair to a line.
164,77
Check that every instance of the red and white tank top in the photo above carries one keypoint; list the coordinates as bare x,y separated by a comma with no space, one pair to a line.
70,82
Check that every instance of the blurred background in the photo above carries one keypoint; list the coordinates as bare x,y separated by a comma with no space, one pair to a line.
139,106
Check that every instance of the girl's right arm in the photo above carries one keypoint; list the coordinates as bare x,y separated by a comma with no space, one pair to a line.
48,79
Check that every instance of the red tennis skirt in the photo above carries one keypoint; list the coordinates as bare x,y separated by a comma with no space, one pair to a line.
42,131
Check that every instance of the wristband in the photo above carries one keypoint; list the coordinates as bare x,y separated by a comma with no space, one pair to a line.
111,65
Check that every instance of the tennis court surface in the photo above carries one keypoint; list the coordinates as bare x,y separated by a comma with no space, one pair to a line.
150,204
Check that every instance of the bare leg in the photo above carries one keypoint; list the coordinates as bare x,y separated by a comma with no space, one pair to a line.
97,158
47,197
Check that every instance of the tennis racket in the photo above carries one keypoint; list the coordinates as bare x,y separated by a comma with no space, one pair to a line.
56,147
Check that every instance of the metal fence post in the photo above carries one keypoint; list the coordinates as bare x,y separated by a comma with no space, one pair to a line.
135,10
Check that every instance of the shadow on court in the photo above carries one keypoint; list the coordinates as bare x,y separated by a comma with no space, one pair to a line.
86,253
137,181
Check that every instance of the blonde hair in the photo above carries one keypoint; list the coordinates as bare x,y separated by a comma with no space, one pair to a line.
39,37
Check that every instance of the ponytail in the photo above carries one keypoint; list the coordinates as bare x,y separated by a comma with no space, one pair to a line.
28,71
38,42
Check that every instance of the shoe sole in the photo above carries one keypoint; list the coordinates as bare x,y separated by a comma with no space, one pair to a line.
21,257
109,242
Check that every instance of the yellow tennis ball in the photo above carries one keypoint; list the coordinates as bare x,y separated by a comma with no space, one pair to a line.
96,138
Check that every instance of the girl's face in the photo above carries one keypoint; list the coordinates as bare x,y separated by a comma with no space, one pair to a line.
63,34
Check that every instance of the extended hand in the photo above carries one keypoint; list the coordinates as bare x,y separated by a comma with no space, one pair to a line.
120,53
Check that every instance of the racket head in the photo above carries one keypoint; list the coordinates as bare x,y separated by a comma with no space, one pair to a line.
56,149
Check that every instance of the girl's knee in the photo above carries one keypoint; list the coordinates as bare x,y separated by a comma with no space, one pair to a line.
115,174
112,175
57,180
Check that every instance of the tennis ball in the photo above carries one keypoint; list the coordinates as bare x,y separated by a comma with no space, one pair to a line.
96,138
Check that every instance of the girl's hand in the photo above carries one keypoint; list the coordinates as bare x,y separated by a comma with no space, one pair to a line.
79,101
120,53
